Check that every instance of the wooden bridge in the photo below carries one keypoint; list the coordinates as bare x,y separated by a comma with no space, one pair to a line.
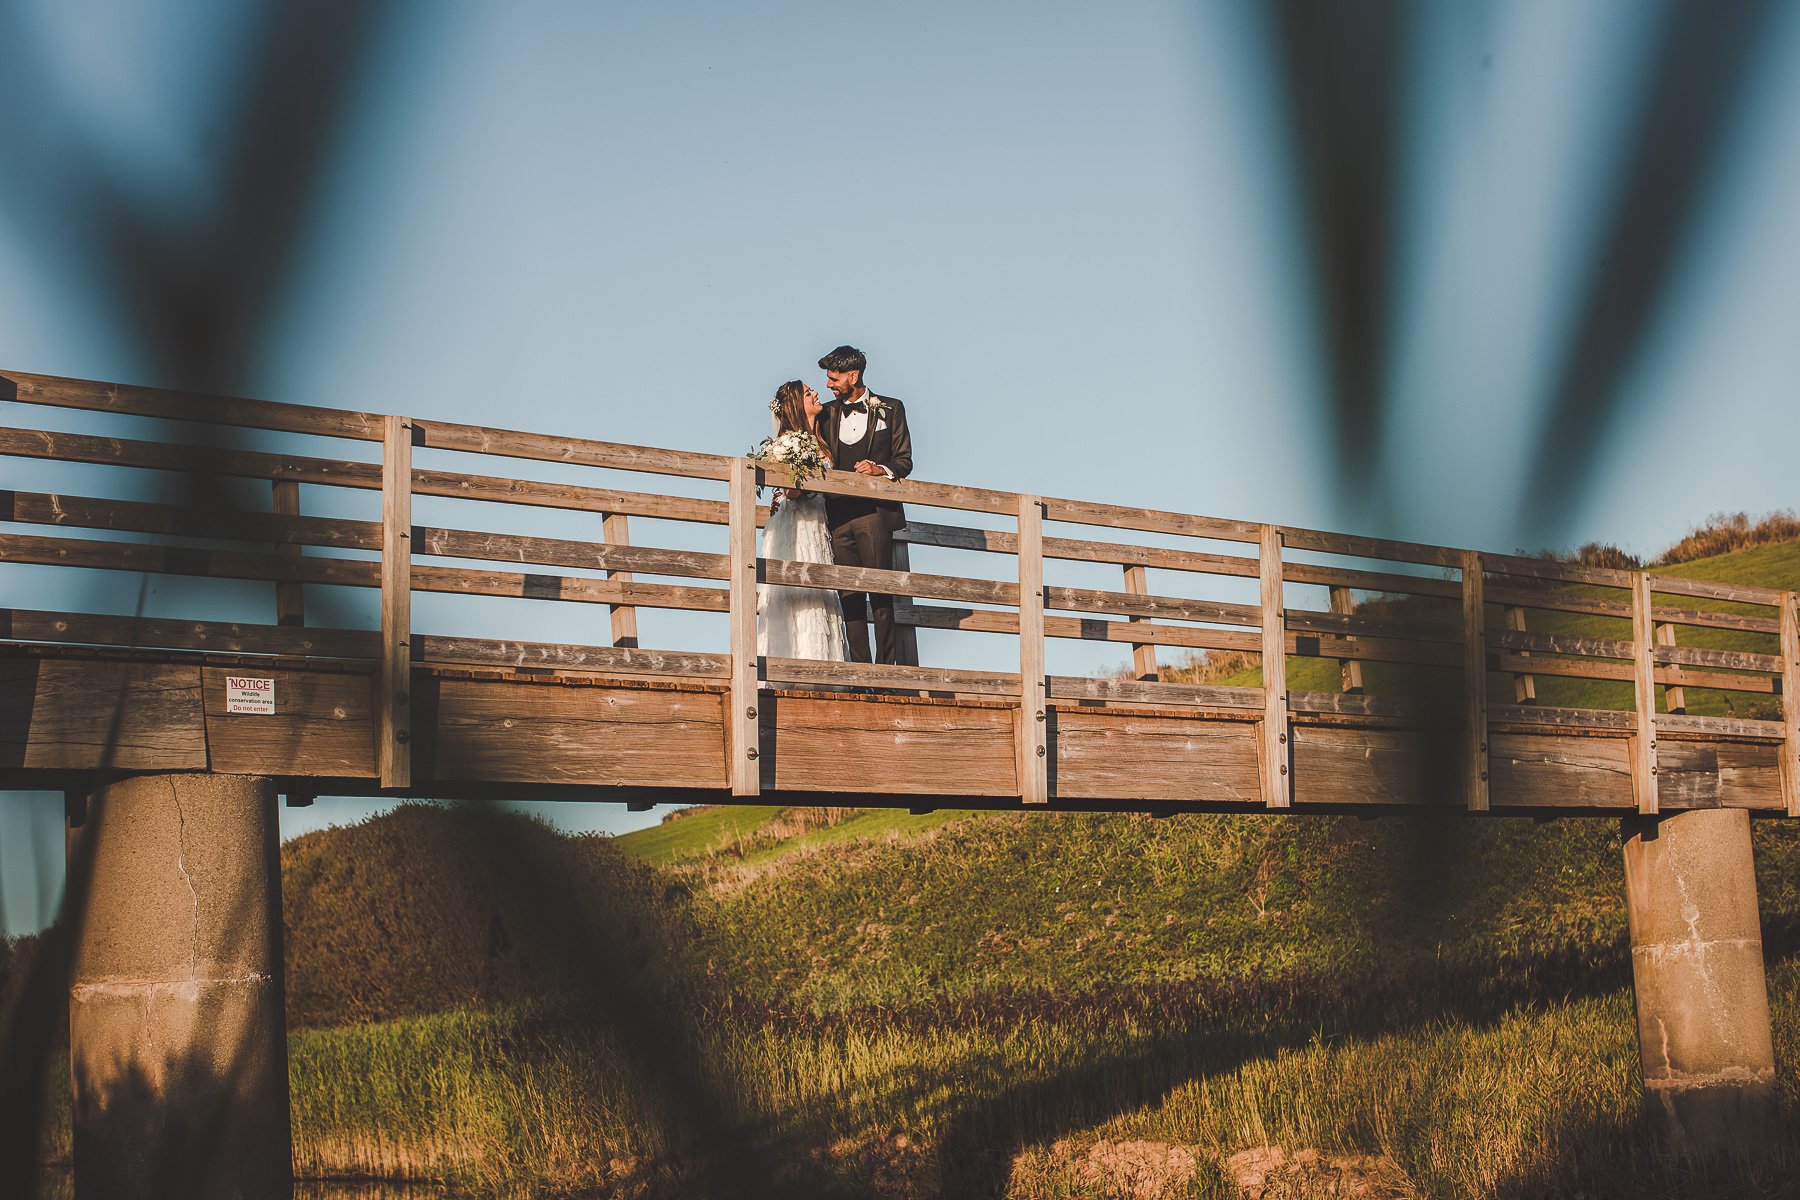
172,737
446,714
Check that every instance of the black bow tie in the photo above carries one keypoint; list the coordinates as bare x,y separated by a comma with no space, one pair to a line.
860,406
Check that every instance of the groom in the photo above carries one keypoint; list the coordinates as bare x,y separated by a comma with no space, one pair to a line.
867,434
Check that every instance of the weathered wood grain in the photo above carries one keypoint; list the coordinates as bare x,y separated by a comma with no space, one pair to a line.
498,489
1352,704
1149,520
622,660
563,552
1693,774
1132,759
1543,770
474,581
858,747
290,598
547,447
1350,676
1430,627
1554,599
1143,654
993,541
887,675
285,529
832,577
1524,683
1093,629
1352,546
742,735
1131,691
1790,702
104,554
1724,727
1475,714
93,715
222,637
394,681
1387,583
615,530
1168,608
1338,766
1033,733
1730,660
324,724
95,396
906,491
1742,593
198,460
1643,745
1563,643
1277,782
490,731
1561,572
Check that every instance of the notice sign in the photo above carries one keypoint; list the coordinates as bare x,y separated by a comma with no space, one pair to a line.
244,694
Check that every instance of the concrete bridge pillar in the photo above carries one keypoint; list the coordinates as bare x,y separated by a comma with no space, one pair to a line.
177,1031
1697,967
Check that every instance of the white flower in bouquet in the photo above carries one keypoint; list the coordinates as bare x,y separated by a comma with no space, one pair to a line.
799,451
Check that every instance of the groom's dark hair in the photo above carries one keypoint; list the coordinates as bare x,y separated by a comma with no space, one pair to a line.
845,358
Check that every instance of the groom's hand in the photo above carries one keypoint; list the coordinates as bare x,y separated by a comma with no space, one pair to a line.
871,467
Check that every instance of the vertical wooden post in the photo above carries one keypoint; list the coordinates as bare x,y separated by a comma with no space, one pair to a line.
744,771
906,635
1277,781
1143,654
613,532
1675,697
1350,672
1790,701
396,604
290,598
1475,680
1524,684
1034,712
1643,744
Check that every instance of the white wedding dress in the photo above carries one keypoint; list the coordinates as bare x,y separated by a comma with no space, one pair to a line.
799,622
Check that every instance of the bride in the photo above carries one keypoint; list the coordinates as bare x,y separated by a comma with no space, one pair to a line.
798,622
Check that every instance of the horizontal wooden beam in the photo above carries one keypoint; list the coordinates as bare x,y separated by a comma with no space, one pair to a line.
124,399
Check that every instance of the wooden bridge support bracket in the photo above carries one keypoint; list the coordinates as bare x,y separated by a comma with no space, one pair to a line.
177,1029
1697,966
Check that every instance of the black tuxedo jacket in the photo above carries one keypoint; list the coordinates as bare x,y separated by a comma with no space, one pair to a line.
885,441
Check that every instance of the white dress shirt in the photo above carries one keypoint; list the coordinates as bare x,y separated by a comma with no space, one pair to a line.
855,424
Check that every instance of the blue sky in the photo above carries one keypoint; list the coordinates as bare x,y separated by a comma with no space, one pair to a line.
1066,235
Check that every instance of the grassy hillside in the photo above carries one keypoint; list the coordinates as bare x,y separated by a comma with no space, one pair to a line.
755,1001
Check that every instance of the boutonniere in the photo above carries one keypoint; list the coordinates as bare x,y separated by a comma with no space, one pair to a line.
877,407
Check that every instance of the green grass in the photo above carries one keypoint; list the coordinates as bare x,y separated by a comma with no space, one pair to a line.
1541,1099
692,833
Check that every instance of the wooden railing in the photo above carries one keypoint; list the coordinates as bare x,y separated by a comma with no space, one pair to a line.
1441,628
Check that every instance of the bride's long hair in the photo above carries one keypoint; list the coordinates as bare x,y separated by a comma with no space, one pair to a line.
789,408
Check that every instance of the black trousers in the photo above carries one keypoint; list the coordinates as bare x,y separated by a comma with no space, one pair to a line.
866,541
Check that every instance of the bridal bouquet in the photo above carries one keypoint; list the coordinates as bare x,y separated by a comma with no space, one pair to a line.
800,452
